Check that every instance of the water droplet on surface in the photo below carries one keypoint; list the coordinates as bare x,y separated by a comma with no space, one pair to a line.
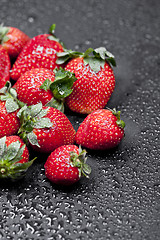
31,19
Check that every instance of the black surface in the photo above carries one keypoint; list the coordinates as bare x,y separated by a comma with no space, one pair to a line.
121,200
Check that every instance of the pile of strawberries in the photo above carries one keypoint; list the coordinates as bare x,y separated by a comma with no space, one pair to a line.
39,79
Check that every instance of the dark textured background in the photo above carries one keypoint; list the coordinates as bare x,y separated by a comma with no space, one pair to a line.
121,200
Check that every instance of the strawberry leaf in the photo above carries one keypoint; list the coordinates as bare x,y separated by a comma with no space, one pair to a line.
13,92
22,167
62,60
42,113
104,54
46,84
2,146
87,52
32,138
94,63
3,33
21,110
9,95
32,117
9,166
3,90
98,58
12,150
42,123
19,153
100,52
86,170
35,109
3,97
56,104
79,161
95,58
119,122
62,85
11,105
66,55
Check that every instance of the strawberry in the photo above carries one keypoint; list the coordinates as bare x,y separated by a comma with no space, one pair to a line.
5,66
13,40
95,78
9,122
39,52
14,158
45,128
42,85
28,86
9,105
66,164
100,130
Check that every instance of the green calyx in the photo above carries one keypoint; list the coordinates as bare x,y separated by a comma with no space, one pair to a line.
119,122
9,95
3,34
63,57
52,35
96,58
32,117
79,161
61,87
9,160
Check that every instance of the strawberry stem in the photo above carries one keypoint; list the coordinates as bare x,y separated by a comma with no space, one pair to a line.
52,35
3,170
52,29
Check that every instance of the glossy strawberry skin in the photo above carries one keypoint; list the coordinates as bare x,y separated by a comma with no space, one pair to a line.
9,122
99,131
58,168
61,133
14,138
91,91
5,66
39,52
28,86
16,41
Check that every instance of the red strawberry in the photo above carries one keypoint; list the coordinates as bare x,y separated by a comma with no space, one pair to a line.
45,128
28,86
42,85
25,154
100,130
5,66
14,158
9,105
66,165
95,79
9,122
39,52
13,40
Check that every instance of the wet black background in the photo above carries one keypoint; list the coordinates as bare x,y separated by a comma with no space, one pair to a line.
121,200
